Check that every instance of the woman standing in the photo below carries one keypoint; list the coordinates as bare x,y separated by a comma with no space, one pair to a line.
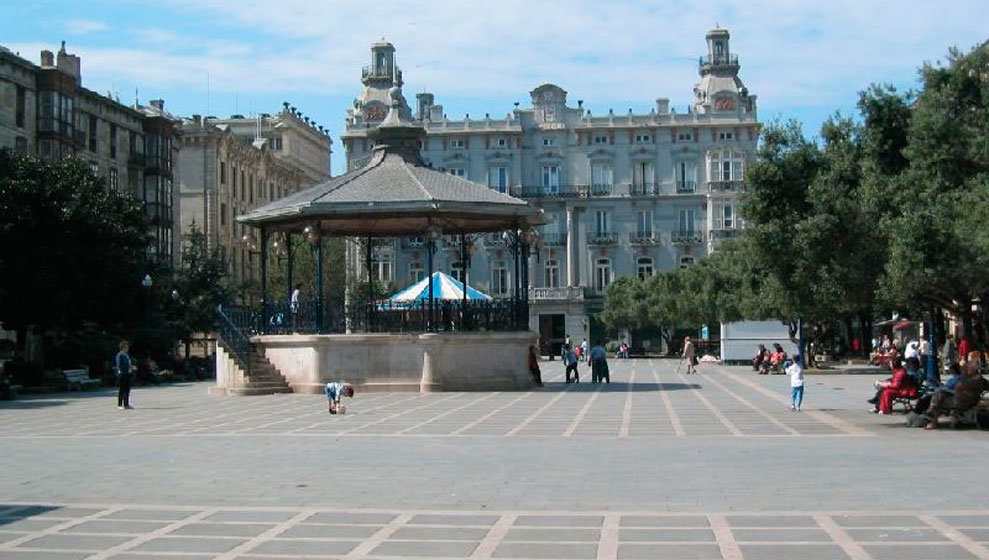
688,354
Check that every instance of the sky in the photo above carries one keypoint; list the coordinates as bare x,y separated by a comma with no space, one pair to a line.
804,60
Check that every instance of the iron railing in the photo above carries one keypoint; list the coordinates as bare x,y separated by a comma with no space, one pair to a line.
643,238
231,324
602,238
504,314
686,187
718,60
643,189
562,191
554,239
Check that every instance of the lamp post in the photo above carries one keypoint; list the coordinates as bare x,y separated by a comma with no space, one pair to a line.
147,283
433,233
315,238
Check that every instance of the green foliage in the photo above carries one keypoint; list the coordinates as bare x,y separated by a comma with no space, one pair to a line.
71,250
200,285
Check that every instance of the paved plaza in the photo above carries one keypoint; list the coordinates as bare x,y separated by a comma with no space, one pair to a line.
657,464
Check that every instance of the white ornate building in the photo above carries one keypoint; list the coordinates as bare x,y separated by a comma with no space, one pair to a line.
627,194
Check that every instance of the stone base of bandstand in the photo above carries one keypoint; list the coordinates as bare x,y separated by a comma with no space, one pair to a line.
481,361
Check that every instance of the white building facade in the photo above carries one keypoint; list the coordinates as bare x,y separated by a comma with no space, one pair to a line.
626,194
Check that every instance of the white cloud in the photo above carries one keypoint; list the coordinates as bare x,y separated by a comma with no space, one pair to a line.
85,26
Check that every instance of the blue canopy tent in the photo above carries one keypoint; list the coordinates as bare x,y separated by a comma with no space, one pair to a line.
445,288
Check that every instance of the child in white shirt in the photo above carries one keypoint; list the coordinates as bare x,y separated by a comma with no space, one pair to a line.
796,383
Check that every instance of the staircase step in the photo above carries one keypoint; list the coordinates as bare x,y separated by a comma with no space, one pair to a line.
265,384
245,391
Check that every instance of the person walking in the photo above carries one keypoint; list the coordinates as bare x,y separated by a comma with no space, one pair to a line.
796,372
294,307
122,364
585,350
688,354
570,361
599,364
949,354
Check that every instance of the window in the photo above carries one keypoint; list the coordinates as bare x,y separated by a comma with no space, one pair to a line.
223,213
727,165
56,113
233,174
502,143
457,270
498,178
21,106
416,271
685,221
113,141
456,171
276,142
499,278
685,136
223,173
549,142
382,267
726,136
643,223
551,274
602,222
728,213
551,178
642,174
45,148
601,174
243,185
602,274
600,138
643,267
94,168
643,138
93,126
686,261
685,177
250,190
380,63
113,178
457,144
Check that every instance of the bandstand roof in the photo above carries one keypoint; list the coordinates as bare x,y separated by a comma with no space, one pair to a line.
395,194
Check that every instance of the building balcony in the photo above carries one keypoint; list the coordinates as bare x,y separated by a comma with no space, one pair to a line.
686,187
685,237
379,72
562,191
725,186
413,242
600,238
554,239
567,293
718,236
493,241
710,60
643,189
644,239
603,189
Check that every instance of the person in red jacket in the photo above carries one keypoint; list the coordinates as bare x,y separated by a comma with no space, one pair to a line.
899,386
963,348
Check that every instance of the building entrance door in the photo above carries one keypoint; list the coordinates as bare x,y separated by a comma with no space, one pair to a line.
552,333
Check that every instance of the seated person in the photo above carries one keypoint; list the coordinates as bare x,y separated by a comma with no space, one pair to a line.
915,372
961,392
761,355
777,358
896,387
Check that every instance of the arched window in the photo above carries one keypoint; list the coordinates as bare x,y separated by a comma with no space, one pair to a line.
602,274
644,267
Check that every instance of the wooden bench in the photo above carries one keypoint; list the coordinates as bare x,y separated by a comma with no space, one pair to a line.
79,379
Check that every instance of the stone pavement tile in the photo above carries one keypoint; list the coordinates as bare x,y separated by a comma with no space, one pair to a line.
897,534
150,514
222,529
305,531
75,542
300,547
565,551
918,552
556,535
637,551
27,524
139,556
771,521
878,521
440,533
256,516
452,519
43,555
965,520
11,536
657,535
188,544
792,552
48,511
116,526
781,535
559,520
354,518
403,549
664,521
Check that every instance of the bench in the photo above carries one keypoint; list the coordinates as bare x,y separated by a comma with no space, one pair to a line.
78,379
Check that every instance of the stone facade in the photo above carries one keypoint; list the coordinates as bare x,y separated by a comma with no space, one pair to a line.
227,171
627,194
45,110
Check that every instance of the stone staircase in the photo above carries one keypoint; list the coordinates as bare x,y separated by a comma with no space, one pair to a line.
263,379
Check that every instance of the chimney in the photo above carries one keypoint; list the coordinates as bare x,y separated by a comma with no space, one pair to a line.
662,105
47,59
69,64
158,104
198,119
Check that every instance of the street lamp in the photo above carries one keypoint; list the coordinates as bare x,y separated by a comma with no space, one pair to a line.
433,233
146,283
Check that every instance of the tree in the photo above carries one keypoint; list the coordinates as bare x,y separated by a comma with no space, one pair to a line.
71,250
200,285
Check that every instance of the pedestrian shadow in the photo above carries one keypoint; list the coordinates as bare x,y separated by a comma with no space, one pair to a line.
30,404
11,513
618,387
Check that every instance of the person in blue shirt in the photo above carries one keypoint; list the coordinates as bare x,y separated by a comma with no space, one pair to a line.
570,361
334,392
599,364
122,366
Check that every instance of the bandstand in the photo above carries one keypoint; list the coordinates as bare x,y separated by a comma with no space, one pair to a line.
427,345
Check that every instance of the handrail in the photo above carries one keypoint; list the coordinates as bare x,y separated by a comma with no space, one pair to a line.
236,341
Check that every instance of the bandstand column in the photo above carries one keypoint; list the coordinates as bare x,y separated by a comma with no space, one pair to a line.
290,266
320,305
264,280
370,282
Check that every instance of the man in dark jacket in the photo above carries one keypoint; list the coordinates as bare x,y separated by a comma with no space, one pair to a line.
122,364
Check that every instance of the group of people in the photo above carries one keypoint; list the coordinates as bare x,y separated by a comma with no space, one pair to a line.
770,361
596,357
